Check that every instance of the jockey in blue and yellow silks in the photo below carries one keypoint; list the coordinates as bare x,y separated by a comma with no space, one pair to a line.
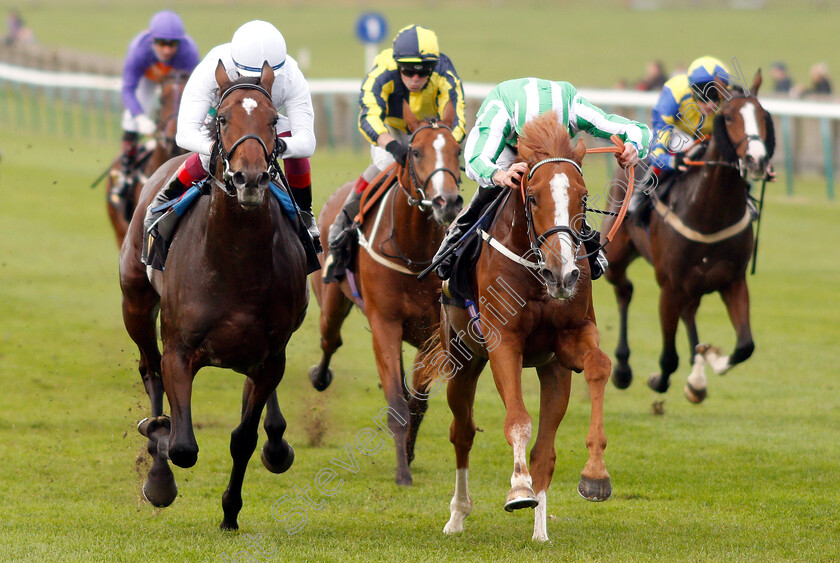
683,114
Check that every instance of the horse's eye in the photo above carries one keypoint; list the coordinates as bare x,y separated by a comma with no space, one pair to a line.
222,120
415,153
274,121
727,119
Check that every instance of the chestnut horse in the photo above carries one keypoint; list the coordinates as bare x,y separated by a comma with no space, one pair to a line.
171,88
699,243
233,292
409,225
534,295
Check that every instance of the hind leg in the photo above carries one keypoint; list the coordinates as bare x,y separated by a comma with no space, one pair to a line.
620,255
417,397
243,440
555,386
695,384
460,393
335,307
670,307
737,299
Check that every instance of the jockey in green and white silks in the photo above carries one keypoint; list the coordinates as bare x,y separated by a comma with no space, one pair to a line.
491,143
490,151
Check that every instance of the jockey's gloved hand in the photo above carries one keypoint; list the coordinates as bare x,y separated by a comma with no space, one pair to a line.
281,147
145,126
679,162
398,150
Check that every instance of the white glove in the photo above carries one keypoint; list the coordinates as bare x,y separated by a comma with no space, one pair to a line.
145,126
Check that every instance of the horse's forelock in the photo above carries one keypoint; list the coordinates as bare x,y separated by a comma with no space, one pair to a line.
544,137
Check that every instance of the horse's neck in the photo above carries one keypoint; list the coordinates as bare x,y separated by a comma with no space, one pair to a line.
235,235
415,232
717,194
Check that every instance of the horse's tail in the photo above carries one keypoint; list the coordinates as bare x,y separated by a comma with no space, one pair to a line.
424,373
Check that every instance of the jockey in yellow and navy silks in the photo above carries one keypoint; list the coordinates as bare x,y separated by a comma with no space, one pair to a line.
683,114
413,71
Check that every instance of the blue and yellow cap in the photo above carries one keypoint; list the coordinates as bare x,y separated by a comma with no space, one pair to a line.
707,69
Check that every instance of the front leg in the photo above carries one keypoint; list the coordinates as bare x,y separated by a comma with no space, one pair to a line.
178,375
387,348
737,299
670,307
506,363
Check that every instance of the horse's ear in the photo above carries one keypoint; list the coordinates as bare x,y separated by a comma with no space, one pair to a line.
756,83
448,115
579,152
411,121
769,135
267,76
221,75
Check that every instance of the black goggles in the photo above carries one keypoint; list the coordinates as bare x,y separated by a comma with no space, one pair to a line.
705,93
166,42
415,70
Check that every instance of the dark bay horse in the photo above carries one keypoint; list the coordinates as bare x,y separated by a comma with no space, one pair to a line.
699,242
163,149
233,292
534,295
402,232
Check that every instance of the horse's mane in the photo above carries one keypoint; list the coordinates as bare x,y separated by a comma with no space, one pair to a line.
544,137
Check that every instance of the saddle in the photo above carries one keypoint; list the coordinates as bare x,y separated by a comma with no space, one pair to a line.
339,260
177,208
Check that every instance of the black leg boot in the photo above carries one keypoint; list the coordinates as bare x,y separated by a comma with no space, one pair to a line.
159,224
303,198
460,226
344,221
120,195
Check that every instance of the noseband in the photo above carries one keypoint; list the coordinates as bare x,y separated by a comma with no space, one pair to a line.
226,154
418,185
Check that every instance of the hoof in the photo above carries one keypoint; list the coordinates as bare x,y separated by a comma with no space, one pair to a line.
283,465
320,381
183,457
595,490
622,376
404,480
225,525
148,426
693,395
160,488
521,497
658,383
702,349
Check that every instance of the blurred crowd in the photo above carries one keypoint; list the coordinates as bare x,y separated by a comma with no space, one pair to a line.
782,84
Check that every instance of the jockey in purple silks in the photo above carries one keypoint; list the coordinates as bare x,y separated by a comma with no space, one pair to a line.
152,54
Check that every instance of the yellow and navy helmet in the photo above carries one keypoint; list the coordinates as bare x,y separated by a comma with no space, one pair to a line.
417,45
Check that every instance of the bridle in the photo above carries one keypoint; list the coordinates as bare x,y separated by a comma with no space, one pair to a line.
219,150
162,138
419,186
537,241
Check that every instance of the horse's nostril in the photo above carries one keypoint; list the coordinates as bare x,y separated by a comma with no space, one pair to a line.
459,201
439,201
263,179
548,276
572,278
239,178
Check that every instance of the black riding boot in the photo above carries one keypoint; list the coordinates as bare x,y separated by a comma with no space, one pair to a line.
461,225
640,206
159,225
344,220
120,191
303,199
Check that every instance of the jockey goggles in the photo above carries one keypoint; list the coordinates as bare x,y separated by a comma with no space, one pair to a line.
167,42
706,92
415,69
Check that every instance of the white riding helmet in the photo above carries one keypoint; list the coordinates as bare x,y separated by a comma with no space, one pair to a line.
254,43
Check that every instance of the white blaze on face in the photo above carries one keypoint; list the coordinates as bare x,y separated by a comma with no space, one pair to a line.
755,148
560,193
249,104
437,179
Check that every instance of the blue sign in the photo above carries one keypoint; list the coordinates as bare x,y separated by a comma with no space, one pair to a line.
371,27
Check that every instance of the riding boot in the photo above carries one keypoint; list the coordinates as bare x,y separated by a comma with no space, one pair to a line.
459,228
303,199
159,225
597,260
120,191
344,221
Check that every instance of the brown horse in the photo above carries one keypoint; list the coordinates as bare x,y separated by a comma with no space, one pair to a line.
164,148
409,226
233,292
699,242
534,296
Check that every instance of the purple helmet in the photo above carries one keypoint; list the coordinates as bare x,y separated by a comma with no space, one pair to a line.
166,25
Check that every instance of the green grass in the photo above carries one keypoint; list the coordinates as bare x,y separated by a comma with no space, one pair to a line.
749,475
